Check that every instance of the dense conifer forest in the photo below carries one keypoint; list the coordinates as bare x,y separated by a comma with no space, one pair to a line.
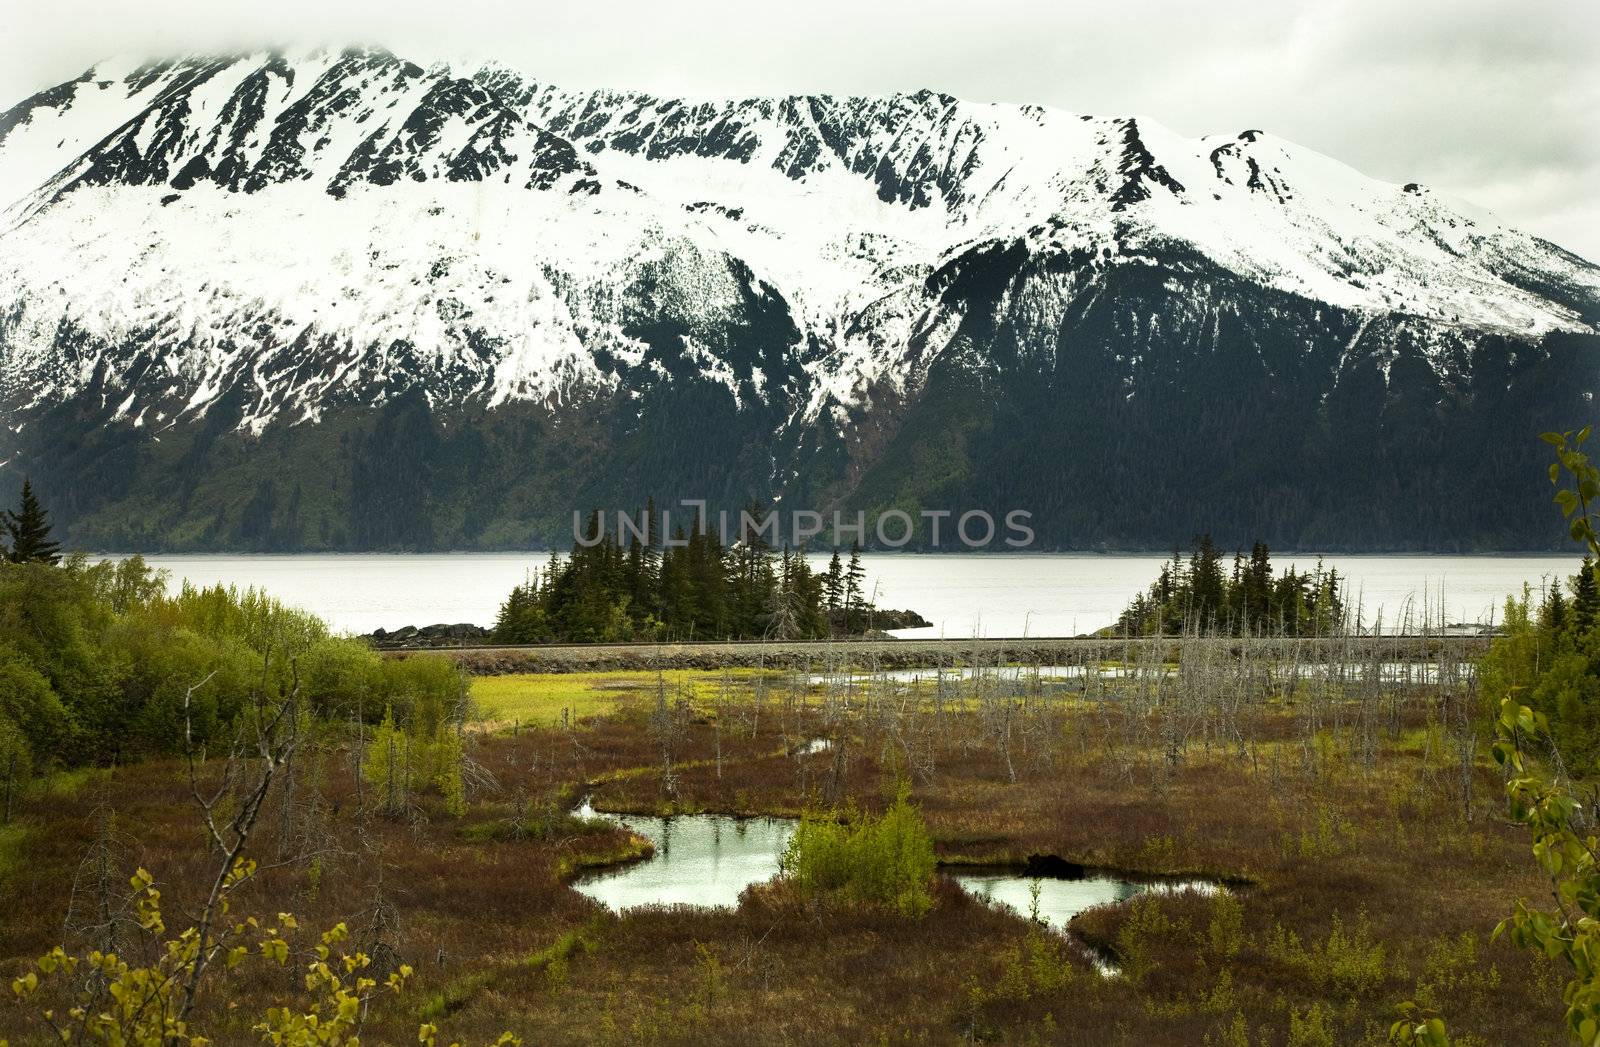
1200,594
690,587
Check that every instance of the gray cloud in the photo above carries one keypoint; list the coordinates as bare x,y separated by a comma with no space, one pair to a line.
1496,103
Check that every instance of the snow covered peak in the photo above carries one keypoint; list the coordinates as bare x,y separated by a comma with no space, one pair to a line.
1289,216
295,228
332,118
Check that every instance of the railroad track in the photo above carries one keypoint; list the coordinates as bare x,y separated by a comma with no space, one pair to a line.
918,653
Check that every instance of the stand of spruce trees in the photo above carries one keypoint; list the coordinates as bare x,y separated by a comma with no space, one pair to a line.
1201,595
690,588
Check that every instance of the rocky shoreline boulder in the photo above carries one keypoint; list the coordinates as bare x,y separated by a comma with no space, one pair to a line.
462,634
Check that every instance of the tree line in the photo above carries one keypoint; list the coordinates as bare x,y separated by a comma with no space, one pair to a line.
1200,594
692,587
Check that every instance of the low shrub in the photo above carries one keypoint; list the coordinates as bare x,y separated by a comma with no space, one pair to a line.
887,860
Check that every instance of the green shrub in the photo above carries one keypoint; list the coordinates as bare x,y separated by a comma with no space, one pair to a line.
1350,963
1142,938
1226,930
399,761
887,860
1314,1028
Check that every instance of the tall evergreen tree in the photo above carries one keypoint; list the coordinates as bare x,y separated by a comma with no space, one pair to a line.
1258,588
1585,599
677,599
808,596
29,532
854,578
833,584
1205,583
1555,610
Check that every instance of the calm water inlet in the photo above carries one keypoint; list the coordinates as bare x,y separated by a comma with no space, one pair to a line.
1037,594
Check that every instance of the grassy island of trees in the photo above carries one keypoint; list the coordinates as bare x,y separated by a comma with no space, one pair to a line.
1200,594
689,588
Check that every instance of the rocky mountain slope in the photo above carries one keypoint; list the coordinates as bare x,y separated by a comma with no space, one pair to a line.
340,300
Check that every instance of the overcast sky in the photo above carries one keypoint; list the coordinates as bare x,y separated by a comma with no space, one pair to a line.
1498,103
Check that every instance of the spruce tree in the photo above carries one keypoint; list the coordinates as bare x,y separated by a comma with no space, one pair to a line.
807,585
29,530
679,609
833,584
1205,584
854,576
1585,599
1555,611
1258,588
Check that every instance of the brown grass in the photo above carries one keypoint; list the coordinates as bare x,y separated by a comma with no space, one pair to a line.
1336,859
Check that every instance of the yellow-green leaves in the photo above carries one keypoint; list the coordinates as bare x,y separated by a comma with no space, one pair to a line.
1416,1029
1583,484
145,1006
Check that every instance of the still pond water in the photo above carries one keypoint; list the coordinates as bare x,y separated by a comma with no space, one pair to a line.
708,860
982,594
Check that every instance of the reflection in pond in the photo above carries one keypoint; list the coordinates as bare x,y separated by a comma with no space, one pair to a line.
709,859
700,859
1060,899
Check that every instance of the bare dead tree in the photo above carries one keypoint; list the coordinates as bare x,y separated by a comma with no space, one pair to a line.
261,748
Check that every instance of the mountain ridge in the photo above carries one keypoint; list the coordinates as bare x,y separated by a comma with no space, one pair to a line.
759,298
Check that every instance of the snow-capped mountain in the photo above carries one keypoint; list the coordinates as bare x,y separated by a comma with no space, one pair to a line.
275,300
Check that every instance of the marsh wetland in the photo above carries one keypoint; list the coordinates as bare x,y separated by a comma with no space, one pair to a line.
610,875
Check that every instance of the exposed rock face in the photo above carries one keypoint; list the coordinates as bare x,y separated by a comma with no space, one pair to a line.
336,300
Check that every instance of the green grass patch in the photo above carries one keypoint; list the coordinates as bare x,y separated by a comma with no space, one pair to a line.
634,848
541,699
66,785
552,960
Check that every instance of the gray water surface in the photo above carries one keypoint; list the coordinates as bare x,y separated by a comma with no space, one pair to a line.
1061,899
700,859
